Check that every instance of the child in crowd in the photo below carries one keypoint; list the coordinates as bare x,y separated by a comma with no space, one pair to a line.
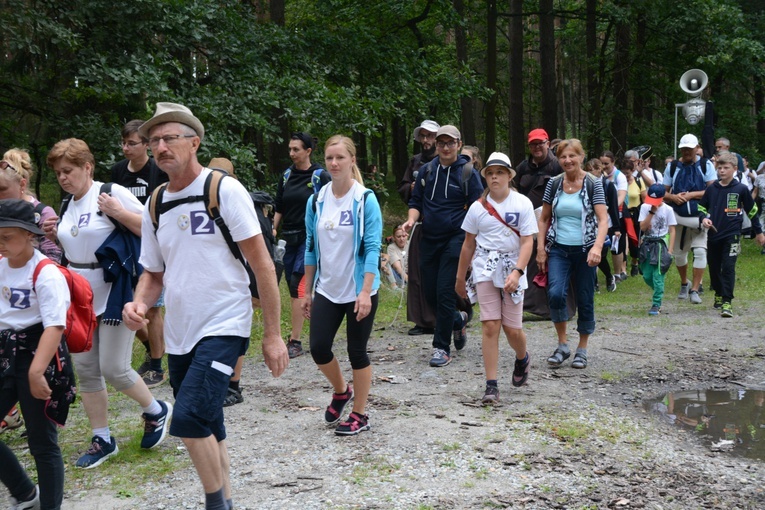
656,220
397,256
35,367
499,230
722,211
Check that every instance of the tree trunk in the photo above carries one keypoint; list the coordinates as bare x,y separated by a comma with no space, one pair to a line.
759,108
593,142
399,147
490,140
467,106
517,134
547,67
621,83
277,12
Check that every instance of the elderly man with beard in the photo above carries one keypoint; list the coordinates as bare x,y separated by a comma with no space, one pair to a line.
417,308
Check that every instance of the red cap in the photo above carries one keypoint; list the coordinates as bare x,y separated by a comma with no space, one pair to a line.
538,134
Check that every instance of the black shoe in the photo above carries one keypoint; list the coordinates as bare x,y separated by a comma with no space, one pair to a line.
459,336
295,349
634,271
233,397
419,330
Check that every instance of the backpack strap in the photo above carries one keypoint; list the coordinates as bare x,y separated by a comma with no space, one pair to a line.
212,203
316,180
107,188
467,173
286,176
40,265
672,169
555,185
154,212
361,222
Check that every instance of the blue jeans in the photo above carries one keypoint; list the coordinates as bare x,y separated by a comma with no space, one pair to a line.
438,265
564,262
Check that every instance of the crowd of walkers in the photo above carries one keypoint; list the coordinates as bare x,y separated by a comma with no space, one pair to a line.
526,238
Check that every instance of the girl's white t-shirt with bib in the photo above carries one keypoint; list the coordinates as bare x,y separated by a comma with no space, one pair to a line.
206,289
21,307
82,231
494,236
335,232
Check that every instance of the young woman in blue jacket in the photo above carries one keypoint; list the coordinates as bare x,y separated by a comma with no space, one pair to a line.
344,231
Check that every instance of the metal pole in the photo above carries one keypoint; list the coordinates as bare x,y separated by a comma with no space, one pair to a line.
674,145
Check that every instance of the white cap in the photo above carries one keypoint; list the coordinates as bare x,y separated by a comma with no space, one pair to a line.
427,125
688,141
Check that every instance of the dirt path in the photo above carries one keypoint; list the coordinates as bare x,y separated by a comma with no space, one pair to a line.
570,439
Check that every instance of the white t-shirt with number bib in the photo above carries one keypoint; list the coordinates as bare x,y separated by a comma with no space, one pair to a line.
206,288
21,307
492,235
82,231
335,233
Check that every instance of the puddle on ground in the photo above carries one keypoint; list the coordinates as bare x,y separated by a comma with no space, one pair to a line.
725,420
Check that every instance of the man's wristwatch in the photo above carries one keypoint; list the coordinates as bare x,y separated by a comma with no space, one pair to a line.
521,271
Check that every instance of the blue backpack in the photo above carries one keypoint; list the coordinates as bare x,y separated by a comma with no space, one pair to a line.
690,178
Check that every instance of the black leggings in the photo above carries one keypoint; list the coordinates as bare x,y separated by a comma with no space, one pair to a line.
326,318
42,439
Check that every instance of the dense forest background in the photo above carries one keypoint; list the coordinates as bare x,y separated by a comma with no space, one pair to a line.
604,71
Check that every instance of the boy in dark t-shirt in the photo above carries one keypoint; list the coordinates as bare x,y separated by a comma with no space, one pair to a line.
140,174
721,210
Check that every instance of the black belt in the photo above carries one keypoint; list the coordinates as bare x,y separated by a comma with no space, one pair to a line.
89,265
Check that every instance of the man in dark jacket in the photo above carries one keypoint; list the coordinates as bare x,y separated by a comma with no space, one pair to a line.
417,308
531,179
442,193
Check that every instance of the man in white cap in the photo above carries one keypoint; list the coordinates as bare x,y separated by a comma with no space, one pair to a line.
686,180
207,297
418,310
442,193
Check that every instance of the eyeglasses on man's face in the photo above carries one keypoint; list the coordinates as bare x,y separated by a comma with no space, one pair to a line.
168,139
130,143
535,145
450,144
427,135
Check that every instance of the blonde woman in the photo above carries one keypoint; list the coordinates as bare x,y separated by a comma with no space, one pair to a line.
344,230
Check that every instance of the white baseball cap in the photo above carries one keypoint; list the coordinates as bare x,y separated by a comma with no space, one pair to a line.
427,125
688,141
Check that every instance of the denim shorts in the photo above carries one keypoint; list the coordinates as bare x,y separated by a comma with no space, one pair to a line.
199,380
161,301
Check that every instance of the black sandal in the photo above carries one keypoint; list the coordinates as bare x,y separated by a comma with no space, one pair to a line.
558,357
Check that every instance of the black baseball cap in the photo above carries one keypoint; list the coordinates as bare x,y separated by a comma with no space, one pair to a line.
19,214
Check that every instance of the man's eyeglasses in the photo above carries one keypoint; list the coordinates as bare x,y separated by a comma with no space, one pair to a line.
130,143
168,139
427,136
4,165
450,144
536,144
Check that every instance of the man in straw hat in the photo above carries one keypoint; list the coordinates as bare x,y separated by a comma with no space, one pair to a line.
209,314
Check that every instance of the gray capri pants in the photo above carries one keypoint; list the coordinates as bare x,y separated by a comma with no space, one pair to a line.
109,358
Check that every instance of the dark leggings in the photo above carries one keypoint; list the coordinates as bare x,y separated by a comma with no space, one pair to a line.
604,266
326,320
42,438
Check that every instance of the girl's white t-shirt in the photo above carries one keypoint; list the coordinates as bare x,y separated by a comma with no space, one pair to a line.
335,230
82,231
21,307
493,236
663,218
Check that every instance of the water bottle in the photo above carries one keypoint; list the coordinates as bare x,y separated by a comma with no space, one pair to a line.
279,251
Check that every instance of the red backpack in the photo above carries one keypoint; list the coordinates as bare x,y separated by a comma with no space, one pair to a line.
80,317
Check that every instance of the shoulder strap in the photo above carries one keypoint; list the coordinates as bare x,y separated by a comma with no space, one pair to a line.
64,205
361,221
286,175
589,182
555,185
107,188
492,211
316,180
672,169
154,212
40,265
39,208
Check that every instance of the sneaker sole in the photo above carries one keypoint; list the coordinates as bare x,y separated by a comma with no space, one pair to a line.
353,432
489,402
439,365
102,459
155,384
165,427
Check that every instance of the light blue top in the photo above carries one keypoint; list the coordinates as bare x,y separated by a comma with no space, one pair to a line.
568,210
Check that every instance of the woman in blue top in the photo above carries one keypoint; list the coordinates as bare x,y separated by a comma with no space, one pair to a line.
572,227
344,232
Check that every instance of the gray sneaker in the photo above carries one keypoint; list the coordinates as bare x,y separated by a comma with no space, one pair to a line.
684,288
695,298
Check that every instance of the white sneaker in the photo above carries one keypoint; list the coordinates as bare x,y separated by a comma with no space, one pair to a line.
34,504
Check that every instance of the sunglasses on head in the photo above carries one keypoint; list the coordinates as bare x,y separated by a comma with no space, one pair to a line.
4,164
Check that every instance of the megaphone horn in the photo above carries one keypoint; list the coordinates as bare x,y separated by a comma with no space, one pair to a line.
694,81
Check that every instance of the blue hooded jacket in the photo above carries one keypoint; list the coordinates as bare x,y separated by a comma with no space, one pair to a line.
441,200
